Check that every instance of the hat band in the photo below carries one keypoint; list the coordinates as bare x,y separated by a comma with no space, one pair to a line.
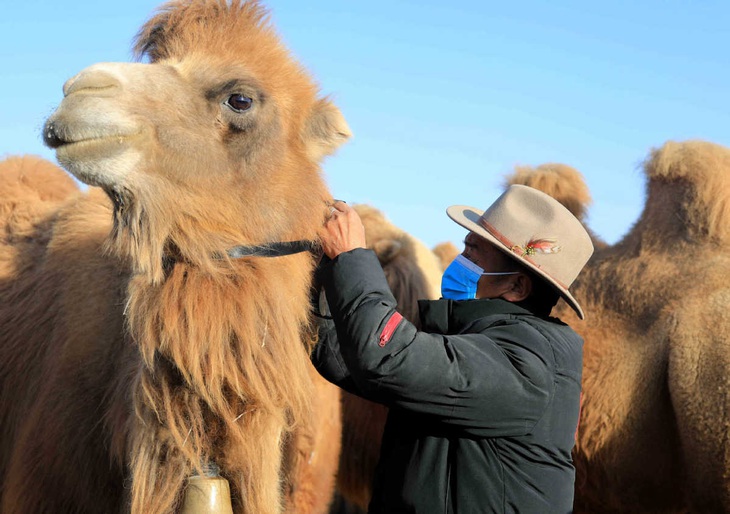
515,248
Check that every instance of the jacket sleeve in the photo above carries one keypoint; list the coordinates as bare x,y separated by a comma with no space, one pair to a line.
326,356
498,381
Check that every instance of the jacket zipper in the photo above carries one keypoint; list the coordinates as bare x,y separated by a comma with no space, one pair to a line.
389,328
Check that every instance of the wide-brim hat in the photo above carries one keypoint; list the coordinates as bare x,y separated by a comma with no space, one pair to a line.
537,231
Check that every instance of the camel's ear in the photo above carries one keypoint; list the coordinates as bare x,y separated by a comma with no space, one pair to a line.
325,131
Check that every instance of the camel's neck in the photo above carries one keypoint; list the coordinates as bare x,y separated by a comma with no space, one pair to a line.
213,327
224,365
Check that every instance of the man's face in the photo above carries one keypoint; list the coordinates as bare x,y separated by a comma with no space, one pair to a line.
487,257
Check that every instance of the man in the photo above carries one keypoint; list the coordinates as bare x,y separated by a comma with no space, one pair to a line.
484,401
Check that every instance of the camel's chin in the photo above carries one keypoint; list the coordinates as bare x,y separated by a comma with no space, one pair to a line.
104,162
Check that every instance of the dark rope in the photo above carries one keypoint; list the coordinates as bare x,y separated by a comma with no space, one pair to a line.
276,249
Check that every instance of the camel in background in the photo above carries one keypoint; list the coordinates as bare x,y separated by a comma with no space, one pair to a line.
653,435
446,252
158,326
398,251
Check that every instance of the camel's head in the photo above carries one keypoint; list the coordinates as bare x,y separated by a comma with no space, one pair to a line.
397,254
215,142
384,238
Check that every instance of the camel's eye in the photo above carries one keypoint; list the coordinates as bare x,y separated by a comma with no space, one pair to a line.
239,103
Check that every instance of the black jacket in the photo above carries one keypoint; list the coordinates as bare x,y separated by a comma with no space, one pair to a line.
483,403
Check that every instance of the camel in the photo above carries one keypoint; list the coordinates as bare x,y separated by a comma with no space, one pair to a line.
157,326
446,252
397,251
653,433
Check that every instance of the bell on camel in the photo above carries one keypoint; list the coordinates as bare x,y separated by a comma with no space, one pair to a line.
207,494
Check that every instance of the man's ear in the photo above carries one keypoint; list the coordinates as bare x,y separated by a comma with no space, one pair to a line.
325,130
520,290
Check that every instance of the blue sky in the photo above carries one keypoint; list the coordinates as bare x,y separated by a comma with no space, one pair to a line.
444,98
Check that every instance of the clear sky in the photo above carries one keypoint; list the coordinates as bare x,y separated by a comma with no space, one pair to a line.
444,97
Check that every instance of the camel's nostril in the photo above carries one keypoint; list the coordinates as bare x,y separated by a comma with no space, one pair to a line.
51,137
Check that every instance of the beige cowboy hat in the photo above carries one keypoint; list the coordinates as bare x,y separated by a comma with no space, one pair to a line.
537,231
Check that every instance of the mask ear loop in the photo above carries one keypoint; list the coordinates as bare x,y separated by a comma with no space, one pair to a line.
495,273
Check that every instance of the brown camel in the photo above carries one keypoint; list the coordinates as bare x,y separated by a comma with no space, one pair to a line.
398,252
446,252
159,325
653,436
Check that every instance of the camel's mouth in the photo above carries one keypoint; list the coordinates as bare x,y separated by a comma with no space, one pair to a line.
57,143
95,156
86,144
76,156
81,144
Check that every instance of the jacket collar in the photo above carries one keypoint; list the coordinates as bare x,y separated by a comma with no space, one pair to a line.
452,316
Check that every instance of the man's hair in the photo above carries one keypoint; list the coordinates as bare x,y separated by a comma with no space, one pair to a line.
543,297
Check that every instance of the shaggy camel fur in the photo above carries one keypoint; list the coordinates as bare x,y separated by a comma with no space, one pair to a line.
653,436
412,273
136,347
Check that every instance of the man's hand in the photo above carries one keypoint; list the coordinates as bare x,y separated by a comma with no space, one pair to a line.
343,231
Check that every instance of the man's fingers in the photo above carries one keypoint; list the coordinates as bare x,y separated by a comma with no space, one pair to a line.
335,207
340,205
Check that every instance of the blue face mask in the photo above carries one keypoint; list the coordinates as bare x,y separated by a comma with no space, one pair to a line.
461,277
